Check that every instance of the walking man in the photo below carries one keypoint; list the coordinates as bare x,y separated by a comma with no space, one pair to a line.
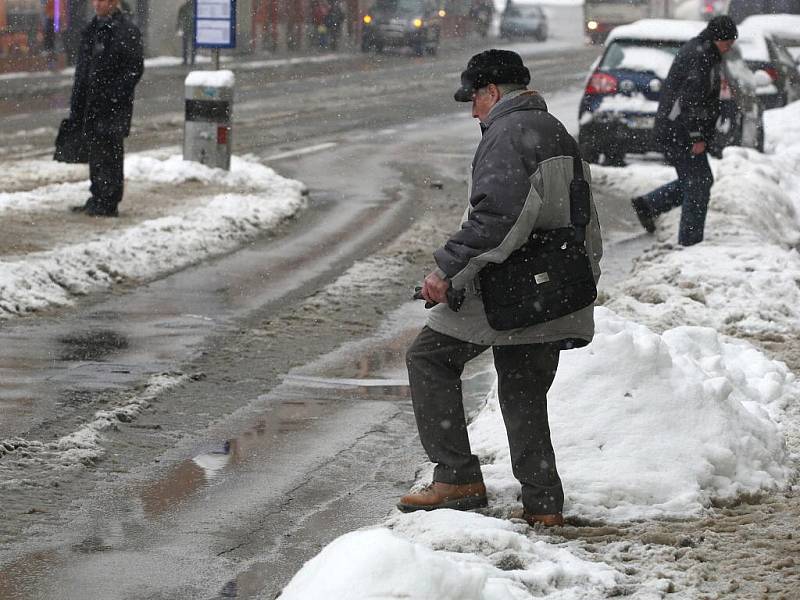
520,181
110,64
685,126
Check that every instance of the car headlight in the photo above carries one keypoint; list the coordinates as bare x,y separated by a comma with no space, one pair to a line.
442,13
417,23
591,25
367,19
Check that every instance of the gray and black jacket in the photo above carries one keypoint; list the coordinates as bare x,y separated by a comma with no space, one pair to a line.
520,182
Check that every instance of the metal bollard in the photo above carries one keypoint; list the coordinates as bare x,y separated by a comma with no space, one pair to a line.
207,125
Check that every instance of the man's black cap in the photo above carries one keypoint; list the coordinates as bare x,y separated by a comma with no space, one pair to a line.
722,28
491,66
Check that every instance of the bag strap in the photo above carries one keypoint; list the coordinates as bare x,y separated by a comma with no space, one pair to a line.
579,193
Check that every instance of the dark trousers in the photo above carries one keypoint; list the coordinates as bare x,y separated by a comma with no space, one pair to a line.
435,363
691,191
188,47
106,157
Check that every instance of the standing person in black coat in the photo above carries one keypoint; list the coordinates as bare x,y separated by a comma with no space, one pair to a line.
685,126
110,64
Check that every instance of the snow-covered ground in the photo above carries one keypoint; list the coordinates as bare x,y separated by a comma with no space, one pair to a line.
258,200
664,415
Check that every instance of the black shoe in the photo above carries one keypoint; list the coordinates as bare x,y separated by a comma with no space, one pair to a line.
97,212
644,214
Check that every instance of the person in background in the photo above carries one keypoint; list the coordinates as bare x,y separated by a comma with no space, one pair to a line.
110,64
685,126
333,21
186,31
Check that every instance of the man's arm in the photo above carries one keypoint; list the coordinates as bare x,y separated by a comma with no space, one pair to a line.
134,64
694,97
504,207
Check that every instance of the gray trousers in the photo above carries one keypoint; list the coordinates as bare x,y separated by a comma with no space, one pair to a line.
525,372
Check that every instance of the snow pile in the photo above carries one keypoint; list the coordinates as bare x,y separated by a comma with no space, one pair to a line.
84,445
473,558
690,419
744,279
215,225
149,167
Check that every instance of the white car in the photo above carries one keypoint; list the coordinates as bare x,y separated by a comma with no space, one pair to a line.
763,52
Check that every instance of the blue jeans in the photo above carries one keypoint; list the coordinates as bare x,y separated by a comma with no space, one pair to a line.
691,191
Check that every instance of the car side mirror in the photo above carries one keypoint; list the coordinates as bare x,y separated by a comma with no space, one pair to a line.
762,78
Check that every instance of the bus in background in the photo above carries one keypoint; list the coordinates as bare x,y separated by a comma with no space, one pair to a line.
601,16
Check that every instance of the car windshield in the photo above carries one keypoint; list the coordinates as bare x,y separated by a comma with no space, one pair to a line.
527,11
399,6
648,56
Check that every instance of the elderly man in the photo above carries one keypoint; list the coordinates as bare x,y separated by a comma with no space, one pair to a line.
110,64
521,176
685,126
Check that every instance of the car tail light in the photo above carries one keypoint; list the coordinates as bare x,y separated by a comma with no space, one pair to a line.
601,83
772,72
724,89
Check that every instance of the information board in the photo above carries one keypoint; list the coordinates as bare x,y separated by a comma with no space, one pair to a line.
215,23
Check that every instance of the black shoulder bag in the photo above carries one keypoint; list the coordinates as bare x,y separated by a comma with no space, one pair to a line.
71,145
549,276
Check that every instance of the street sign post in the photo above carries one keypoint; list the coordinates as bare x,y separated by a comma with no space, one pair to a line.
215,25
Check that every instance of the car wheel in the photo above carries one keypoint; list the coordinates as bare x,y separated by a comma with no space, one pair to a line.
433,48
590,154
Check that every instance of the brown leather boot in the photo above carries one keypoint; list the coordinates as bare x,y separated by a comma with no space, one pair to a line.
546,520
445,495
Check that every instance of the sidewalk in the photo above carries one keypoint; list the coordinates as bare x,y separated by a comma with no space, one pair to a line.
174,213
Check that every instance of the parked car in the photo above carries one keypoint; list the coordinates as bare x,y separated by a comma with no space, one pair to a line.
763,52
524,20
785,29
397,23
739,10
619,104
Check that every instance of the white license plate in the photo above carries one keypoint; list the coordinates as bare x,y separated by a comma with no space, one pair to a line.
642,122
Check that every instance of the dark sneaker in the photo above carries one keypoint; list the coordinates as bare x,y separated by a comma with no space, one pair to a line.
547,520
644,214
445,495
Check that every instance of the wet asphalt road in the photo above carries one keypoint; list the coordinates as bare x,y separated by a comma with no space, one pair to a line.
231,479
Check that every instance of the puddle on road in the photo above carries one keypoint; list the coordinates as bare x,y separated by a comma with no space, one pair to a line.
367,371
371,370
91,345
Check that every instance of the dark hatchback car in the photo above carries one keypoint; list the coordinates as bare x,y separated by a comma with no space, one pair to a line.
524,20
619,104
416,24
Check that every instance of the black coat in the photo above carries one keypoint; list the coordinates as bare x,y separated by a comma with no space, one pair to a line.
689,105
110,64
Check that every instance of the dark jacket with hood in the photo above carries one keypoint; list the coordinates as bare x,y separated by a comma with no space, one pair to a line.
689,105
110,64
519,182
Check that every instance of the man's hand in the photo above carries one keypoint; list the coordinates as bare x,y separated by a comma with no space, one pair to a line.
434,288
698,148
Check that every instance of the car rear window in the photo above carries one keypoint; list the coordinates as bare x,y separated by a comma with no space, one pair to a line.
402,6
637,56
